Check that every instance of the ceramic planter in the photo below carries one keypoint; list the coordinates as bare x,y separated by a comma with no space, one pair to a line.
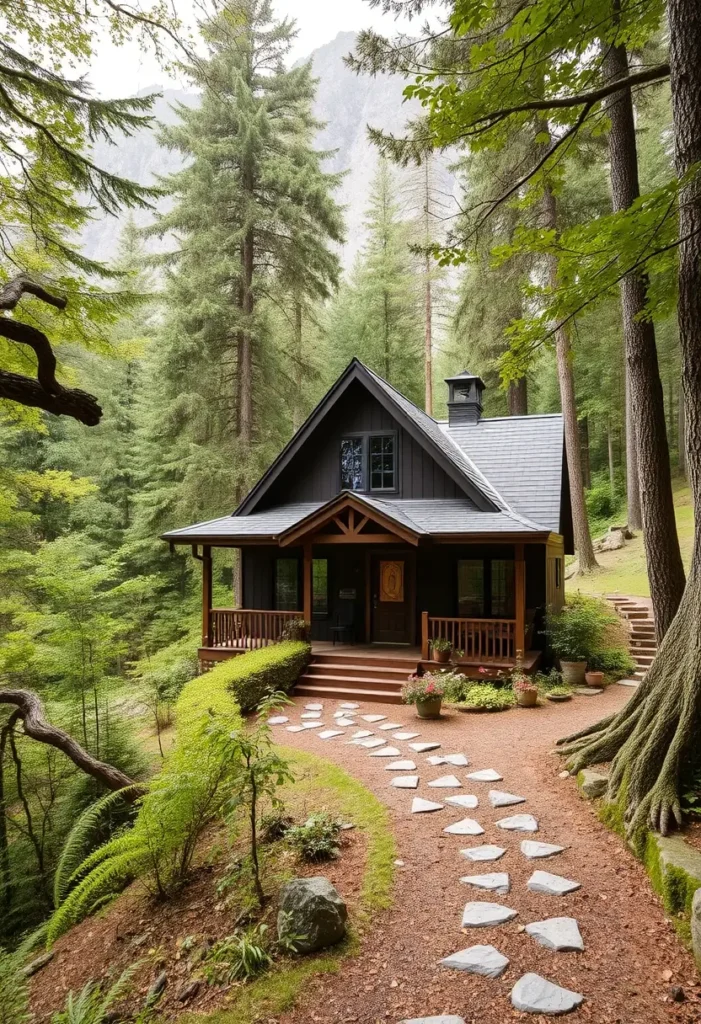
442,657
594,678
526,698
573,672
430,708
558,698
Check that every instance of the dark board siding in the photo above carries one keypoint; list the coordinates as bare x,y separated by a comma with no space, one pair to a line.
314,473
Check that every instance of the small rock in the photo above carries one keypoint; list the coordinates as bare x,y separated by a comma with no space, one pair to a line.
482,915
157,989
188,991
34,966
592,784
346,723
399,863
446,1018
564,775
349,706
677,994
311,911
484,960
533,994
551,885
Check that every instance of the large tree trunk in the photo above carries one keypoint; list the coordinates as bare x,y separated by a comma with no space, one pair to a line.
428,296
635,514
664,560
517,397
586,459
655,740
245,368
297,367
582,536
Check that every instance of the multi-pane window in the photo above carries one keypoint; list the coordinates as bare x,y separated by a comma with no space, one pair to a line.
502,588
382,467
352,464
471,588
286,584
486,588
320,587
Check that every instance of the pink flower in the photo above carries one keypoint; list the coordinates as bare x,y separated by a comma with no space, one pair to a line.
483,671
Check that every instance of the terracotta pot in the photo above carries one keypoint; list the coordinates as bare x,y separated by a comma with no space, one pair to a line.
430,708
443,657
527,698
594,678
573,672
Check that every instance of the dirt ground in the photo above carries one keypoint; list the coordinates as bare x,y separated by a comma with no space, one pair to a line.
633,963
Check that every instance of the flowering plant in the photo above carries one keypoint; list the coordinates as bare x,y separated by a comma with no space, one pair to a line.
521,682
441,644
420,688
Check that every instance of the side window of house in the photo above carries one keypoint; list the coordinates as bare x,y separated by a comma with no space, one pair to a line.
286,584
558,573
502,588
320,587
471,588
352,464
382,463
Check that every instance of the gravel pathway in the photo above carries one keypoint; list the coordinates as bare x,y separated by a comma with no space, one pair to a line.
503,956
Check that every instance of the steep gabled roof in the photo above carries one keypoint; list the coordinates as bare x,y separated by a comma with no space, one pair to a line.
422,427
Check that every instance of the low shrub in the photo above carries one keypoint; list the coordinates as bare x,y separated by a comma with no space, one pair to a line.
453,685
255,675
547,681
239,957
274,826
615,662
485,697
14,990
317,838
578,630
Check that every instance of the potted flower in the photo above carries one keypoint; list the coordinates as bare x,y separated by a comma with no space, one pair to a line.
426,693
594,675
441,649
575,633
524,687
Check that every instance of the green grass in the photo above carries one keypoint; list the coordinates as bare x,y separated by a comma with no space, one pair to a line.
321,785
625,571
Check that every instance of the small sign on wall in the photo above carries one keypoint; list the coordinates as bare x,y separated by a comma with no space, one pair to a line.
347,594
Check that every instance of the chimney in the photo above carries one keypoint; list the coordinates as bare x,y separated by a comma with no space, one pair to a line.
464,399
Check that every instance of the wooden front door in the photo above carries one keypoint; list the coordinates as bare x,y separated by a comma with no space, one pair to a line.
391,600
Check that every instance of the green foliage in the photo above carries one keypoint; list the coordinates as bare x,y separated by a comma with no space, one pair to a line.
240,957
92,1005
616,662
486,697
430,686
14,990
603,503
254,676
578,631
317,838
275,825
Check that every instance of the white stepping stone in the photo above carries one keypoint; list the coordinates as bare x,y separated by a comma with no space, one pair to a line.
405,735
468,801
465,827
559,933
499,799
373,718
484,960
312,725
485,775
388,726
446,782
551,885
339,714
482,915
435,760
295,728
400,766
519,823
533,994
497,881
532,849
370,744
362,734
479,853
422,748
349,706
328,734
420,806
457,760
345,722
310,714
314,707
445,1018
278,720
386,752
405,782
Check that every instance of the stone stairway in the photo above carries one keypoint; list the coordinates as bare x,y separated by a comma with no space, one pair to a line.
643,642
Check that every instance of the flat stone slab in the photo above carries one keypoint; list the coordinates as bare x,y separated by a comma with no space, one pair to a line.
519,823
405,735
480,853
371,744
310,714
405,782
388,726
278,720
551,885
420,806
295,728
446,1018
312,725
373,718
484,960
386,752
400,766
422,748
559,933
465,827
328,734
362,734
349,706
446,782
435,759
466,800
533,994
345,722
628,682
532,849
499,799
314,707
497,881
587,691
483,915
340,714
485,775
457,760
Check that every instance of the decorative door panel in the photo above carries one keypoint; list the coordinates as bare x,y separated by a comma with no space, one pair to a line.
391,581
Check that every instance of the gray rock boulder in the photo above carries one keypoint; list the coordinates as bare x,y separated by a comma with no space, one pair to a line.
696,926
592,784
312,911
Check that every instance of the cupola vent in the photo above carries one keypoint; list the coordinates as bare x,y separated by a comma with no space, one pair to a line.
464,398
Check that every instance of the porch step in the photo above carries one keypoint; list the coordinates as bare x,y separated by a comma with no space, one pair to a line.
362,676
362,658
308,688
362,670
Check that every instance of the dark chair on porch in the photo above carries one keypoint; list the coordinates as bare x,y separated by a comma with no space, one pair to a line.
344,627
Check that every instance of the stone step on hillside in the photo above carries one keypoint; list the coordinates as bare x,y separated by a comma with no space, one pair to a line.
643,641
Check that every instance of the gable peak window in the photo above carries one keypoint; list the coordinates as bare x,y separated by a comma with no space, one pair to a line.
352,476
382,462
369,462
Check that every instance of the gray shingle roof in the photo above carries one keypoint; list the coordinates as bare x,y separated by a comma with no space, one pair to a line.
270,523
522,456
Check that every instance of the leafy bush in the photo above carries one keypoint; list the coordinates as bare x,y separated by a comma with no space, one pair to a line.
603,504
453,684
275,825
14,991
255,675
547,681
239,957
297,629
485,697
317,838
613,661
578,631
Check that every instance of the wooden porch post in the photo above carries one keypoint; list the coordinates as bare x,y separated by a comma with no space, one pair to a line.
424,636
520,588
307,581
206,595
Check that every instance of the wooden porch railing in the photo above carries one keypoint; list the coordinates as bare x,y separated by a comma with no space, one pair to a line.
247,629
484,640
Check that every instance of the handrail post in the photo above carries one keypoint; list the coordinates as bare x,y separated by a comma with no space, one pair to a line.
206,596
424,636
520,589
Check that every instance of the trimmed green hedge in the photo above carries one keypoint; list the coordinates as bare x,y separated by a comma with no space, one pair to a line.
251,676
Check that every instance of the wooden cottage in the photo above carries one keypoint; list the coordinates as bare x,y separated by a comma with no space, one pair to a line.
387,529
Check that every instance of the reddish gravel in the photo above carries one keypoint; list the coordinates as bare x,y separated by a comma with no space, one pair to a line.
632,959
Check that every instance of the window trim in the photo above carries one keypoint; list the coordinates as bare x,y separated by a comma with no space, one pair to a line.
325,614
366,436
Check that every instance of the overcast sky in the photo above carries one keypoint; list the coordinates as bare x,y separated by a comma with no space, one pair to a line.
125,70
